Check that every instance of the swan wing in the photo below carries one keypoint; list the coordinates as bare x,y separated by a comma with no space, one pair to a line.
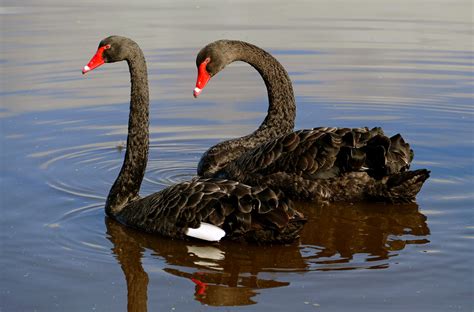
324,153
197,207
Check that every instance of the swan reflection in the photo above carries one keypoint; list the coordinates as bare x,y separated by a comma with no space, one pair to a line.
336,237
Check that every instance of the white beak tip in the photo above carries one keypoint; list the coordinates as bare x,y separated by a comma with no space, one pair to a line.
86,69
196,92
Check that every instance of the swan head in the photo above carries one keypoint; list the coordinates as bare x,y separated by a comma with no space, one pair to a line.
211,60
111,49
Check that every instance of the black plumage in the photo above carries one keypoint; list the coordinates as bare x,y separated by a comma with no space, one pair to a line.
327,164
244,212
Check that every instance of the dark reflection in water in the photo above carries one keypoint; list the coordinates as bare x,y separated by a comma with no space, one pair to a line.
230,274
376,230
129,253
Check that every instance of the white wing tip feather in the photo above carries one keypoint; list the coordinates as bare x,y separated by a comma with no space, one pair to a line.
206,232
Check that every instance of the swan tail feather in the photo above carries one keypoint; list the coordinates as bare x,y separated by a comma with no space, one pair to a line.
402,187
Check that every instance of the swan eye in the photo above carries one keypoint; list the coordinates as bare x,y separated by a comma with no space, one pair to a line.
207,60
106,47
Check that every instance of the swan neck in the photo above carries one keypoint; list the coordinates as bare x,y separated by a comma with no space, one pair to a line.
281,113
127,185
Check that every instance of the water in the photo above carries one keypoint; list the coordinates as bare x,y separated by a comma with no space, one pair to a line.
407,67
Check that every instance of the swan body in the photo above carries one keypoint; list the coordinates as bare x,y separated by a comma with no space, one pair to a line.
242,212
325,163
203,208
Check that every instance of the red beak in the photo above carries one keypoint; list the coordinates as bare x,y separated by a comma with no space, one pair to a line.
202,78
201,286
95,61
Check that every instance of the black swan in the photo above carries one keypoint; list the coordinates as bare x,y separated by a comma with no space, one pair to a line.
327,164
202,208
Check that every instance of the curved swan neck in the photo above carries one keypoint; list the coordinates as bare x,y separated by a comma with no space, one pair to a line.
127,184
282,108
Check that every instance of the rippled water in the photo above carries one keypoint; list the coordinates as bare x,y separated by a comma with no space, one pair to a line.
407,68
